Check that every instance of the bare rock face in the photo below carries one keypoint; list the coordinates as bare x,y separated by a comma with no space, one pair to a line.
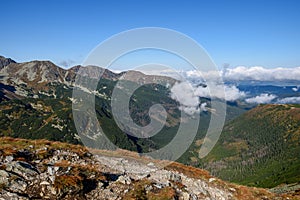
45,170
23,169
5,61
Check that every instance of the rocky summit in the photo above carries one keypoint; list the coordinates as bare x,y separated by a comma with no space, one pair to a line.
40,169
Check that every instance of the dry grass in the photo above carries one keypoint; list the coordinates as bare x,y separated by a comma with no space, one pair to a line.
189,171
10,146
237,145
83,170
139,192
65,182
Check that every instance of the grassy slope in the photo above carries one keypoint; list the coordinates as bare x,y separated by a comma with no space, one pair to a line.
49,118
260,148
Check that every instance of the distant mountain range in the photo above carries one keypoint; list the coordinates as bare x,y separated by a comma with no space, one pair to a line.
258,147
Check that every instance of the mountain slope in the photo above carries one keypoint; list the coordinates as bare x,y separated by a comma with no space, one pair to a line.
5,61
259,148
36,102
40,169
37,75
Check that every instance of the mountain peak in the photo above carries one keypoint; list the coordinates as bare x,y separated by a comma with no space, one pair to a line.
5,61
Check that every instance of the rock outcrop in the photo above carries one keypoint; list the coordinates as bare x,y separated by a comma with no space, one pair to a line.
51,170
5,61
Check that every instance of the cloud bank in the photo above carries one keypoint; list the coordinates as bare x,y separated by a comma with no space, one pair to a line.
289,100
184,93
242,73
261,99
220,91
189,95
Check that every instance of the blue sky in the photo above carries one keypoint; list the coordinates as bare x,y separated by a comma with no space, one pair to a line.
254,32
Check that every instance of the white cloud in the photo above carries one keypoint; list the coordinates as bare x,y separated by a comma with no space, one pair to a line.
242,73
212,76
183,92
261,99
203,107
232,93
295,89
262,74
188,95
288,100
189,110
227,92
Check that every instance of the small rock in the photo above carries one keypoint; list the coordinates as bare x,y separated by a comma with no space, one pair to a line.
56,168
158,185
52,179
148,187
50,171
211,180
193,197
124,180
4,177
44,183
100,184
175,177
12,196
53,191
17,185
151,164
23,169
185,196
9,158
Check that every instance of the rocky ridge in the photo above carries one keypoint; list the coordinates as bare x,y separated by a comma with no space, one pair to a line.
39,169
28,79
5,61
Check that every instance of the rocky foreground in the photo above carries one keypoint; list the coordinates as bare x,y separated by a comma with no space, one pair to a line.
39,169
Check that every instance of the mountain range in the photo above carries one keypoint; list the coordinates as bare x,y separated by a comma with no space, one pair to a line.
259,145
